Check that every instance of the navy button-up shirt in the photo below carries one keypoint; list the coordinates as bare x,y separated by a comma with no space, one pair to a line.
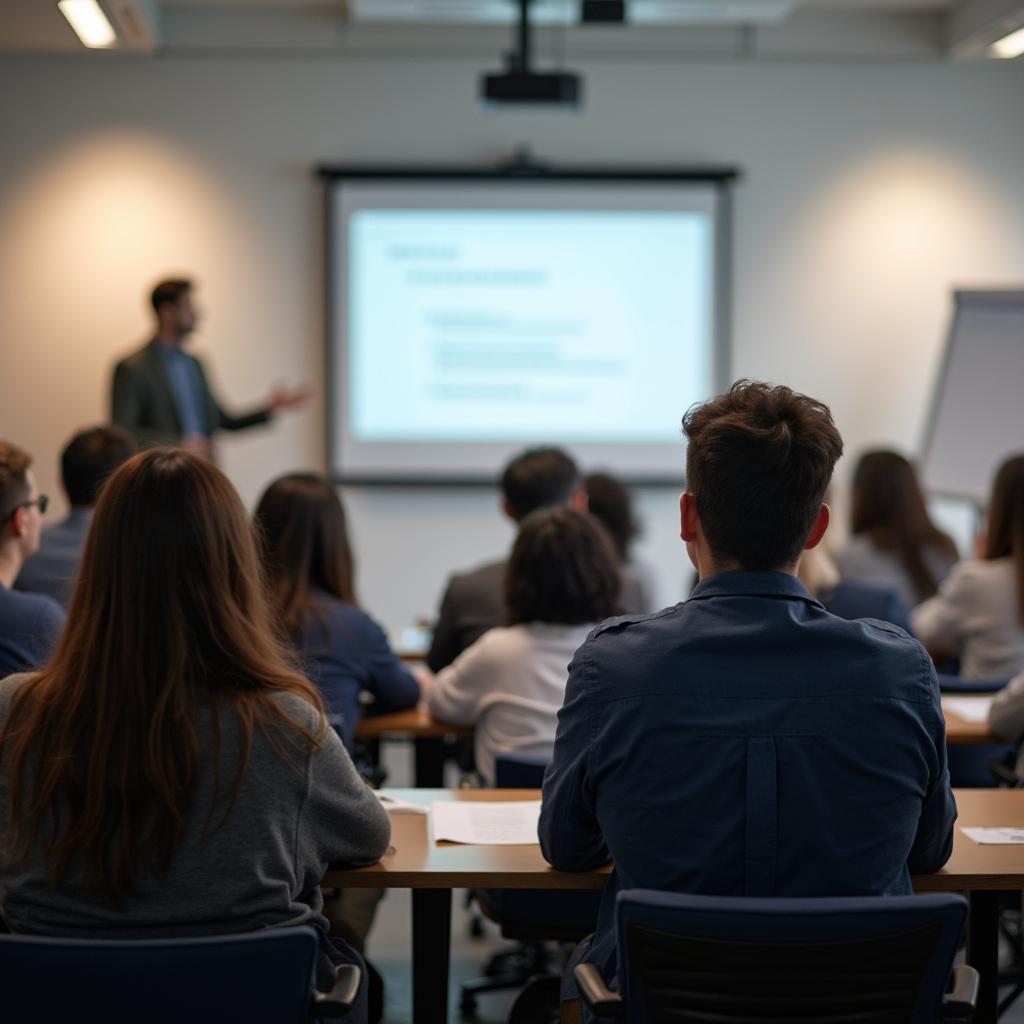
747,742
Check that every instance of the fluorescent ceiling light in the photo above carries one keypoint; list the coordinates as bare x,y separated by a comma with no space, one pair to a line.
1010,46
89,22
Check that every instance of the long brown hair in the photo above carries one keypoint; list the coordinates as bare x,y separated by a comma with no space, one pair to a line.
1005,535
889,507
305,546
168,618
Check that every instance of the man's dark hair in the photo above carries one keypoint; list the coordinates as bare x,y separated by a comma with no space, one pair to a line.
89,458
563,569
758,462
169,292
539,478
14,489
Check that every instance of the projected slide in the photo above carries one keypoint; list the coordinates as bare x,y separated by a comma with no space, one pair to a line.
523,326
473,318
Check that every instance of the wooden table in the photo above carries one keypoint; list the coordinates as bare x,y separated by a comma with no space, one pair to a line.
431,739
960,731
432,870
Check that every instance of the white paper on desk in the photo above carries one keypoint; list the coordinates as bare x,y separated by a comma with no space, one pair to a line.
483,823
995,836
395,806
970,709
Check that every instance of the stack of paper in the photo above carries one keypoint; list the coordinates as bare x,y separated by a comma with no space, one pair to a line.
509,823
395,806
995,836
970,709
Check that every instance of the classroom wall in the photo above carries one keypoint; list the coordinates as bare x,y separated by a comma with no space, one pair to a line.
869,190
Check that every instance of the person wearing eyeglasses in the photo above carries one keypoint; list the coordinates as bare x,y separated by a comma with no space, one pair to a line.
29,623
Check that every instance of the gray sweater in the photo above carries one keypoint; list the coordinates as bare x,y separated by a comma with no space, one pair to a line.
260,869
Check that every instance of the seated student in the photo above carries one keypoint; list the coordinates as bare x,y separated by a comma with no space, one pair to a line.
29,623
562,579
474,602
609,502
310,567
87,460
894,542
978,613
215,794
718,746
849,600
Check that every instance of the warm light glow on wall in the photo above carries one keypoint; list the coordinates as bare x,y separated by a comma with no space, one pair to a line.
89,22
1009,46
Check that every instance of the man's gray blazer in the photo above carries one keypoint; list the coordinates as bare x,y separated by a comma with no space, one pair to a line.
143,402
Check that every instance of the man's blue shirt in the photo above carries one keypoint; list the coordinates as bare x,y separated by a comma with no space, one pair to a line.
187,388
52,569
747,742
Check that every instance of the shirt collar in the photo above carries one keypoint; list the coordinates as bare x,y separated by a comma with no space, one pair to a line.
751,584
165,351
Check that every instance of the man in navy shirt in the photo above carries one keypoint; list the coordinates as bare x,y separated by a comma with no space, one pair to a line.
29,623
86,462
746,742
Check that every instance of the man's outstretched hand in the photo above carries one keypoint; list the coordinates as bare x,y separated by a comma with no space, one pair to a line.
282,398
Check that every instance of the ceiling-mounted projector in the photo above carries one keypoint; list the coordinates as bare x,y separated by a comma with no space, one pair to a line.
520,84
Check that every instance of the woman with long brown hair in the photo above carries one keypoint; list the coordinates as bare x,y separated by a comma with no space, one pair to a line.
169,772
310,568
894,542
978,613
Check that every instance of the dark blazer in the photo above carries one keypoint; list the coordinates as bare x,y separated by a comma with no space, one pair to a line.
473,603
143,402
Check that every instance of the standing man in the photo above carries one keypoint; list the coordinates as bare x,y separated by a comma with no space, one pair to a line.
746,742
29,623
160,393
86,462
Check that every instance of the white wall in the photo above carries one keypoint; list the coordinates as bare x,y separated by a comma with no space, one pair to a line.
870,189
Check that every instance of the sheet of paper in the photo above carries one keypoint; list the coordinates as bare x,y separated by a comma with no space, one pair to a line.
995,836
478,823
970,709
395,806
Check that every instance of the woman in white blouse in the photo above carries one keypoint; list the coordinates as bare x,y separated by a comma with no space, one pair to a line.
978,612
562,579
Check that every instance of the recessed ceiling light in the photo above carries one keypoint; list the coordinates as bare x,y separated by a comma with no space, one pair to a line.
89,22
1009,46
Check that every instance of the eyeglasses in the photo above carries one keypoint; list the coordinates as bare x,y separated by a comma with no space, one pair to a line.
42,502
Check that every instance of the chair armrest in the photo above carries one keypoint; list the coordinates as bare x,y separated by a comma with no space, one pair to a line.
961,1002
596,994
339,1001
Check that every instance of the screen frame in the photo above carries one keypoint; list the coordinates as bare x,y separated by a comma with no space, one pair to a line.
517,172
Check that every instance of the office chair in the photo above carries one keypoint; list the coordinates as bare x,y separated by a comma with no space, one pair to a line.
260,978
971,765
960,684
726,960
534,918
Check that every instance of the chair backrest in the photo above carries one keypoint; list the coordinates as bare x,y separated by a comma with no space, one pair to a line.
963,684
723,960
519,771
259,978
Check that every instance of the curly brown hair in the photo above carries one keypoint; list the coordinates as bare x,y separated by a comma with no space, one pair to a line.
563,569
758,462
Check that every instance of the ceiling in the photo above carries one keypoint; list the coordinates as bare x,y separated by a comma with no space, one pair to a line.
727,29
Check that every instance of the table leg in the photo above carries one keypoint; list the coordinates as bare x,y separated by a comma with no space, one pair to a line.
431,954
429,754
983,952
